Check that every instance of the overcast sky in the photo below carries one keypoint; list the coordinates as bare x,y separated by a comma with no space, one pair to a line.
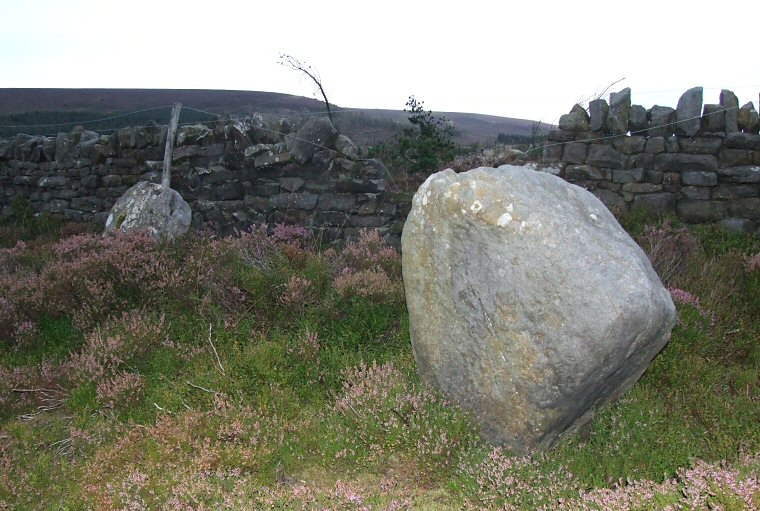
530,59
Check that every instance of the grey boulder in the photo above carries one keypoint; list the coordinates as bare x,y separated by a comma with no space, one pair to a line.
162,211
528,304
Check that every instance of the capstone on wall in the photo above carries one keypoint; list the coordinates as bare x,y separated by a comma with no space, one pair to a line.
295,171
701,162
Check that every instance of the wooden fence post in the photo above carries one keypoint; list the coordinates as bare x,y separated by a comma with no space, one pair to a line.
166,177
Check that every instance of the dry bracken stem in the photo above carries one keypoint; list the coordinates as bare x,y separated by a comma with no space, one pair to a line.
204,389
219,362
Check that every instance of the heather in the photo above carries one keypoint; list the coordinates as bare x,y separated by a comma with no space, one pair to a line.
271,370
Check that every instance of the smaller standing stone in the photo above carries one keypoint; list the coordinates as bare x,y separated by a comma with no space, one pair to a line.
620,107
637,121
730,103
687,112
713,119
660,121
747,118
599,110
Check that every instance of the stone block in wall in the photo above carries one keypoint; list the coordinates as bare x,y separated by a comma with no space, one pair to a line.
291,184
743,174
237,134
370,208
696,192
605,156
130,138
211,152
64,143
637,120
576,121
747,118
52,182
730,103
111,180
642,188
671,181
227,191
684,162
598,110
336,202
713,119
348,185
671,145
72,215
585,173
89,204
58,206
655,202
368,221
316,134
735,157
196,134
630,145
643,161
701,211
609,198
653,176
739,140
398,197
212,175
387,210
688,112
620,107
184,153
560,136
628,176
552,152
25,181
700,145
731,192
117,191
575,153
655,145
65,193
290,217
303,200
258,204
745,208
699,178
271,158
323,218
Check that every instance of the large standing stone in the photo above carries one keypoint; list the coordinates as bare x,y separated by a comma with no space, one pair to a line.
687,112
529,305
316,134
730,103
620,108
599,110
150,206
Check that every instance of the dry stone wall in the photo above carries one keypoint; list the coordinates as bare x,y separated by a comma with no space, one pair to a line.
701,162
233,175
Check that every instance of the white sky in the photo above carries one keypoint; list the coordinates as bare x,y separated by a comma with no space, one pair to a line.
529,59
